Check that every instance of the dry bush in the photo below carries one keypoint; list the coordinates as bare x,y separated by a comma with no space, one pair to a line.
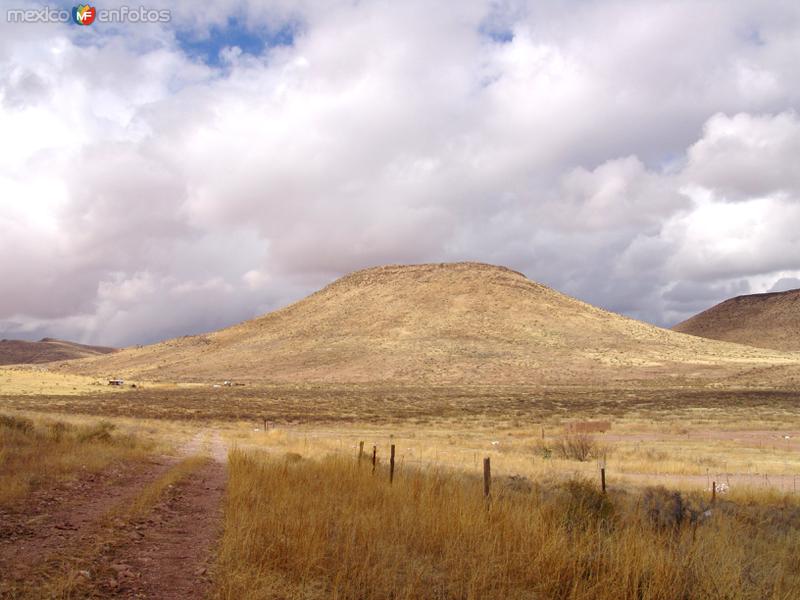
574,446
664,509
585,505
330,529
579,446
14,423
40,451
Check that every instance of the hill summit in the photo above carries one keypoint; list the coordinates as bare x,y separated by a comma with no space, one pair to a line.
769,320
21,352
469,323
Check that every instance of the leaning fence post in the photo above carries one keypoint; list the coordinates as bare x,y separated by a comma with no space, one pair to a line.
360,451
374,458
603,479
391,465
487,477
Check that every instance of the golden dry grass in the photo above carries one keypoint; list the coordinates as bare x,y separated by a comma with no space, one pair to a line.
34,453
330,529
38,380
634,455
429,535
678,437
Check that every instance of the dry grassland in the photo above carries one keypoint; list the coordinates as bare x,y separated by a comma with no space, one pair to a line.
37,381
34,453
682,437
303,519
417,404
298,528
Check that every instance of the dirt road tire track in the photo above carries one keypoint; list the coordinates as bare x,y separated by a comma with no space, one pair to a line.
62,515
167,553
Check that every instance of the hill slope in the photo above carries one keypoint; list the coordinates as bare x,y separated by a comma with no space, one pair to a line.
20,352
436,323
762,320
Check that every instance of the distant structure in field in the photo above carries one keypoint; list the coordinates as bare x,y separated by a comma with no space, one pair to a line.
117,382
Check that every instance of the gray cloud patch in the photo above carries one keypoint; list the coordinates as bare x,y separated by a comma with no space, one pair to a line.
639,157
785,284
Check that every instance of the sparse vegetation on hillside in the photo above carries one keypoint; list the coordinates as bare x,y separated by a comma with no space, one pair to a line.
761,320
445,324
331,529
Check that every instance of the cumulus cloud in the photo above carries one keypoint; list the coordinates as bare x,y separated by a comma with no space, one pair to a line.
157,180
746,156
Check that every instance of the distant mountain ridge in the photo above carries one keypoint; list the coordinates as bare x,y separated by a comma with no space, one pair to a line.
450,323
22,352
770,320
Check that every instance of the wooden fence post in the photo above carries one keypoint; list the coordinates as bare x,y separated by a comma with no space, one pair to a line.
603,479
265,423
713,492
360,451
487,477
391,465
374,458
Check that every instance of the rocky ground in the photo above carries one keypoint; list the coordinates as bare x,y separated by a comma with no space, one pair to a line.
77,536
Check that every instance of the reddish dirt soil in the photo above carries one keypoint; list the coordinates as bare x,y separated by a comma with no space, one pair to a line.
169,553
62,515
166,554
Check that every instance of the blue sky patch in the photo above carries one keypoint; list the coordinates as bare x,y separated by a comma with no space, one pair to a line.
206,46
499,35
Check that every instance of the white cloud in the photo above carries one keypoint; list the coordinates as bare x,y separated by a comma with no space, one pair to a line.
746,156
595,146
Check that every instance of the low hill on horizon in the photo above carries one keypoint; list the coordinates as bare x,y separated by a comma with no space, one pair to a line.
22,352
770,320
456,323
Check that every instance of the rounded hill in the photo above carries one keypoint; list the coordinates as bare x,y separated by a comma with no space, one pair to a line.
763,320
434,323
22,352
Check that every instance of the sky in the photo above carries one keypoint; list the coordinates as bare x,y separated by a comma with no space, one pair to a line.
164,179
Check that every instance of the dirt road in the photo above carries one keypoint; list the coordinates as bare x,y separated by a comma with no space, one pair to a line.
80,537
